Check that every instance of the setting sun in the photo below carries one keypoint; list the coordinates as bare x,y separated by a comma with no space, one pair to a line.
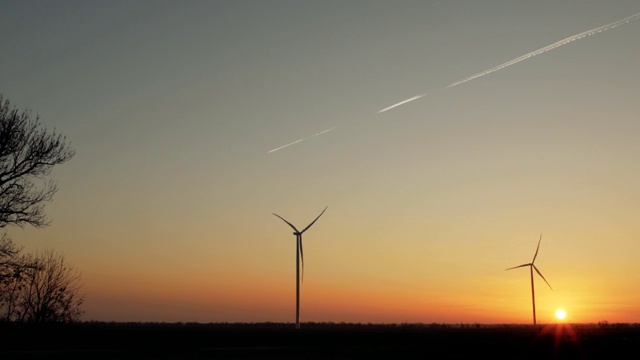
561,314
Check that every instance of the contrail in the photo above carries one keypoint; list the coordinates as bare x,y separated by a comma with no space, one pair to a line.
284,146
500,67
401,103
297,141
322,132
549,47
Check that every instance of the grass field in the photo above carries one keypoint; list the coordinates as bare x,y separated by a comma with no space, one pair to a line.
94,340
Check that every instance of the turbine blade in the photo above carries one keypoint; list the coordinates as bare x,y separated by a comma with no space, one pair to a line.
316,219
539,273
290,224
519,266
538,248
301,255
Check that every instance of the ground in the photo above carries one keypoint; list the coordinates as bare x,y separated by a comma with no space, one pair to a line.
318,341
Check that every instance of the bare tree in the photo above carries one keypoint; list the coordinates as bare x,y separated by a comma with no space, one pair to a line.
13,266
8,254
50,291
28,152
33,288
37,288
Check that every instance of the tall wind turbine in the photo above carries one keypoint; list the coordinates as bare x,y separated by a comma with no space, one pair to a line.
531,268
299,259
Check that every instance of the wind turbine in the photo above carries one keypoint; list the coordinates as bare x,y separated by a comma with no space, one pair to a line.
531,268
299,259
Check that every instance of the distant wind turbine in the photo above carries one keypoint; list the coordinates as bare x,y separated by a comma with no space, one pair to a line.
299,259
531,268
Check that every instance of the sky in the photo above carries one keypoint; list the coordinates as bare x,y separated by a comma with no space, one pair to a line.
176,109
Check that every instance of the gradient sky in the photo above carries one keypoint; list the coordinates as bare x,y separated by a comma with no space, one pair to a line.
173,106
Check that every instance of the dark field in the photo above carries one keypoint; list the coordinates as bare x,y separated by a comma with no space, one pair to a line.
318,341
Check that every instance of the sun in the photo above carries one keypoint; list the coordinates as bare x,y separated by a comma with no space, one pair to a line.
561,314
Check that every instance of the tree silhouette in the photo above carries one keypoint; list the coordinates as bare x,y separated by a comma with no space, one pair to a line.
50,291
12,266
28,152
38,288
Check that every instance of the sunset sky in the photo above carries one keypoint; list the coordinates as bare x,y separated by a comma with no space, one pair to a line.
174,108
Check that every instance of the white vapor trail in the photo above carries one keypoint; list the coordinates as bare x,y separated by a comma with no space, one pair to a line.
549,47
325,131
500,67
284,146
401,103
297,141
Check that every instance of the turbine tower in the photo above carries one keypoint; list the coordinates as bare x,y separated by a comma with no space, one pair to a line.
531,268
299,259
